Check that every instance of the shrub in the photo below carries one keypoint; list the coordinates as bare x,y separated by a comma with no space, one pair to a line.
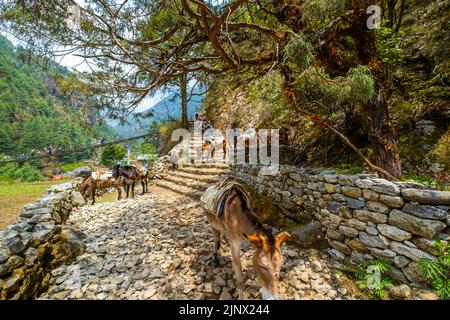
112,153
73,166
368,279
437,272
12,172
28,173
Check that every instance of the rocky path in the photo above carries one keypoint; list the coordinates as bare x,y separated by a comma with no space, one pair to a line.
158,246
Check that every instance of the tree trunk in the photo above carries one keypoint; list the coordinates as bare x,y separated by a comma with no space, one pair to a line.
183,89
382,135
380,128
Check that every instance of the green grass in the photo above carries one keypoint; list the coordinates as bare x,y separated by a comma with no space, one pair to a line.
14,196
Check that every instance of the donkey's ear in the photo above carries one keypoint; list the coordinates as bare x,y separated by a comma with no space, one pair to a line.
281,237
254,240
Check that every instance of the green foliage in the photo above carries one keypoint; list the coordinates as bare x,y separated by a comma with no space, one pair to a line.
316,86
437,272
12,172
298,50
112,153
145,148
389,46
366,278
31,115
75,165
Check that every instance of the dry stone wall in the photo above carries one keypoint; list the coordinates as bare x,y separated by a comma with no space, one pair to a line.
364,217
38,242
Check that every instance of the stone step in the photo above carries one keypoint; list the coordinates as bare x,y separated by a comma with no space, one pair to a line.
202,178
194,184
183,190
208,166
202,171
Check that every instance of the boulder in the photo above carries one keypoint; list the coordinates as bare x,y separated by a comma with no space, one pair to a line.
375,217
393,232
397,275
424,244
384,254
355,203
371,241
377,206
358,257
14,244
348,231
352,192
337,255
77,199
356,245
334,235
418,226
370,195
401,261
412,253
305,236
360,225
340,247
413,274
425,211
5,253
402,292
427,196
393,202
61,187
81,172
385,187
364,183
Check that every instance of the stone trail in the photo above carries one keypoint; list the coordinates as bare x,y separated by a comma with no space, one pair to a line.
158,246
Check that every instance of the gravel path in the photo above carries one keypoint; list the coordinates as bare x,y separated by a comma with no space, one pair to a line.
158,246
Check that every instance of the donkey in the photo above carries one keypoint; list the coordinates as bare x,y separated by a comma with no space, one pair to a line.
236,220
100,179
212,145
130,175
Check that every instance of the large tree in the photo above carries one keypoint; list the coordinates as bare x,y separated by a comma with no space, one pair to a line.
136,46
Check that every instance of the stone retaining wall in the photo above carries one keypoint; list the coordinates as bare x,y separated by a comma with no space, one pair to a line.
363,217
38,242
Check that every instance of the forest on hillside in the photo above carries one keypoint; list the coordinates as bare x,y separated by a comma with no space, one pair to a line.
41,108
353,85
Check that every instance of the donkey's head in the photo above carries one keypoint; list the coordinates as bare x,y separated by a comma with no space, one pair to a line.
115,171
267,261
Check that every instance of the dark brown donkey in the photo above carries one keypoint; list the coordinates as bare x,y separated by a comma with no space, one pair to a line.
130,175
229,211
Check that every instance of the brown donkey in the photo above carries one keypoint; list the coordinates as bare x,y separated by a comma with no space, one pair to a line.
229,211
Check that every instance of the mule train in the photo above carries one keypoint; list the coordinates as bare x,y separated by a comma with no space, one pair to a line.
120,176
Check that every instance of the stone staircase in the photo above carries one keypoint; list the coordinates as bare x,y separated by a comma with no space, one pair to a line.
192,179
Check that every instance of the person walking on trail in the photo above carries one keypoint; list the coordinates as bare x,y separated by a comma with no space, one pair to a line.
208,132
174,158
196,116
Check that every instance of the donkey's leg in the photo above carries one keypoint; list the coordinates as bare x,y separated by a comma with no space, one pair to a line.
143,187
93,190
127,188
235,245
132,189
215,257
119,191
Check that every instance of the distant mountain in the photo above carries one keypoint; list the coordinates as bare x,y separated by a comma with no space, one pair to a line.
168,108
